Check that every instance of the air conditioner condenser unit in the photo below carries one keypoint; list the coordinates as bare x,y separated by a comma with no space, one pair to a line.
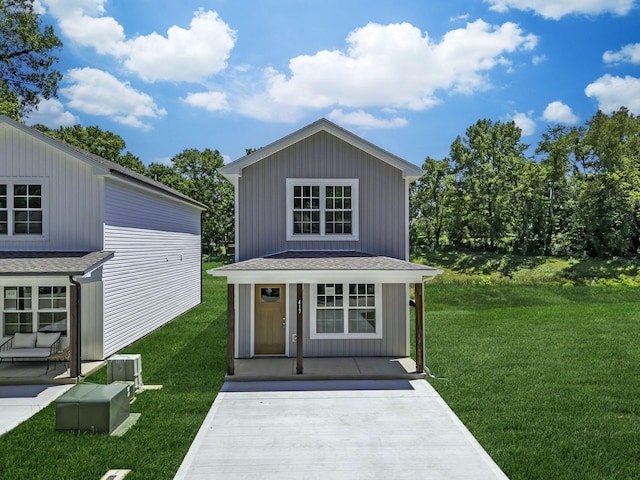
125,367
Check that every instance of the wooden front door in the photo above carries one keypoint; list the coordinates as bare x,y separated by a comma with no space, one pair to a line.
270,320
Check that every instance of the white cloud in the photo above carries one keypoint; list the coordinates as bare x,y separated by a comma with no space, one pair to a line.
397,66
190,55
211,101
183,55
525,122
96,92
613,92
363,119
629,54
556,9
559,112
83,23
52,114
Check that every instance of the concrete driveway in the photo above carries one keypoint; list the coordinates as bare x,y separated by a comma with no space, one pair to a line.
360,429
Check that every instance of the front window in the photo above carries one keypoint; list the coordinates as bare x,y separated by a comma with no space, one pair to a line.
21,208
349,310
28,309
322,209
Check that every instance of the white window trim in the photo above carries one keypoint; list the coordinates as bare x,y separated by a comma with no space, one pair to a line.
45,200
324,182
35,307
346,335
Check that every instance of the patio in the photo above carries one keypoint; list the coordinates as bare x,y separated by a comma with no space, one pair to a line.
32,372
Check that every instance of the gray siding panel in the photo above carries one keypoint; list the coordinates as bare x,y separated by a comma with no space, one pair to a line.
262,198
155,274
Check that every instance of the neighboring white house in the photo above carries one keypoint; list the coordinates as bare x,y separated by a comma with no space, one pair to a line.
72,223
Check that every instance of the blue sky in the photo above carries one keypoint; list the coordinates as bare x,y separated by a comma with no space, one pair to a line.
407,75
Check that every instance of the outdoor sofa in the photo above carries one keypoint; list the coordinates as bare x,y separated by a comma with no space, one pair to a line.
31,346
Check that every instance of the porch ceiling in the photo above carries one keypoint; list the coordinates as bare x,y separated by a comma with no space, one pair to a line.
318,266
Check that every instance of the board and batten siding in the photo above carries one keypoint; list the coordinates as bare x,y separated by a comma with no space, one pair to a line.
395,298
72,194
262,199
155,273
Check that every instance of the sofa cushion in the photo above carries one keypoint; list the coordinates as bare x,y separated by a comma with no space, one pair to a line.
45,340
24,340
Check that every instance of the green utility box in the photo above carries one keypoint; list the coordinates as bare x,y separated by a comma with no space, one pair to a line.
92,408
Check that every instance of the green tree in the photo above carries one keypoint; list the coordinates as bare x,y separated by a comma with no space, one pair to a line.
102,143
559,146
429,204
202,182
488,164
26,59
608,206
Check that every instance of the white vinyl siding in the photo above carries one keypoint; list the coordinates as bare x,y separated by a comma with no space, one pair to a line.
71,196
154,275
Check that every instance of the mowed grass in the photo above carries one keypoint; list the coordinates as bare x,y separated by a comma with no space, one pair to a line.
187,357
547,378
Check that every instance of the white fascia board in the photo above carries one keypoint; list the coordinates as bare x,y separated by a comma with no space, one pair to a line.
324,276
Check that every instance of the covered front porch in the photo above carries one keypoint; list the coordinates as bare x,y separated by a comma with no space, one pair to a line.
308,351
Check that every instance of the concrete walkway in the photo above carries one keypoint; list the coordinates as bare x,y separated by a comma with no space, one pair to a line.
20,402
347,429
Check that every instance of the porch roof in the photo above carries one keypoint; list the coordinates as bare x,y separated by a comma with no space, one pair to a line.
51,263
315,266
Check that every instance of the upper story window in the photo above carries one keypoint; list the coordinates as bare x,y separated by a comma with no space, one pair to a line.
322,209
21,208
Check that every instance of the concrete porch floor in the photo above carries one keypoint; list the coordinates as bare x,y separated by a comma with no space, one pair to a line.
333,368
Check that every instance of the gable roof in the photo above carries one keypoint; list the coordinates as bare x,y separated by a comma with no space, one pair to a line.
234,169
107,166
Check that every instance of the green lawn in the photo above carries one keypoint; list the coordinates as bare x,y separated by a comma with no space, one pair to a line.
187,357
546,377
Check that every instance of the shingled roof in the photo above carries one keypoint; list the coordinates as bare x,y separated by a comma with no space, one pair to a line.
51,263
311,266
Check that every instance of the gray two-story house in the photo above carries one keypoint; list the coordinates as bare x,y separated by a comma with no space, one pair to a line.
322,250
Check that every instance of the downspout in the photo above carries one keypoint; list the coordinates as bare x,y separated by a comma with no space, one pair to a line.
75,368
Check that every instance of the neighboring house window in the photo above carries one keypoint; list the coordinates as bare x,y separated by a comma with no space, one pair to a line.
349,310
4,211
325,209
52,309
27,209
21,208
30,309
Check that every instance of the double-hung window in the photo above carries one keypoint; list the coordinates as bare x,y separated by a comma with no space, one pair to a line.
322,209
31,308
21,208
346,310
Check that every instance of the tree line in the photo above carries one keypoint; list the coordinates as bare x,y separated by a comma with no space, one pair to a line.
578,195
